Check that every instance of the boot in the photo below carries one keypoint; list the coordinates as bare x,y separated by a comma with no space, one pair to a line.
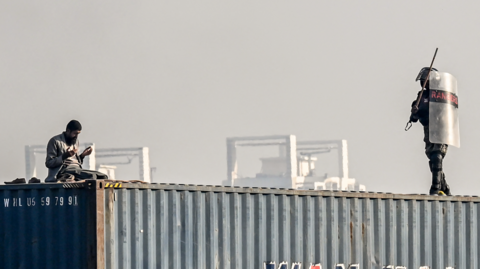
446,190
445,187
436,187
16,181
436,192
34,180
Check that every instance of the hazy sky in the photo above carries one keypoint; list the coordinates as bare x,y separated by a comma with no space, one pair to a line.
181,76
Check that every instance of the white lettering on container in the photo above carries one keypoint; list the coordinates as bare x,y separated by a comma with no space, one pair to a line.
17,202
31,201
44,201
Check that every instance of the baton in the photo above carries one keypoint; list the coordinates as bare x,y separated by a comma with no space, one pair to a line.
423,89
425,83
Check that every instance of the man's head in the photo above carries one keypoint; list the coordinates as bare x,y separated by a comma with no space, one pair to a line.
422,76
72,131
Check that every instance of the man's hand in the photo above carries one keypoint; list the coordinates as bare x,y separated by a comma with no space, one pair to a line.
413,118
86,152
69,153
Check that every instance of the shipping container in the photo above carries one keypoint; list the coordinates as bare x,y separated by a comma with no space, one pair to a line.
99,224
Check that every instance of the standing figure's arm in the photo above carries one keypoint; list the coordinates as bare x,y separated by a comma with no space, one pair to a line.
414,110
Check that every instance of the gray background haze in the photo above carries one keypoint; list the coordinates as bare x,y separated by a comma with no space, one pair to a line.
181,76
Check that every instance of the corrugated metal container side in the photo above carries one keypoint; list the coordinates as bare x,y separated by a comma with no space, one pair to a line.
48,226
187,226
178,226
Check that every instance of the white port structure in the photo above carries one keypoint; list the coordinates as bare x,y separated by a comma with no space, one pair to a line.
91,163
294,166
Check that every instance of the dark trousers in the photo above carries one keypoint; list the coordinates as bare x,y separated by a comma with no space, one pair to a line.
436,153
80,173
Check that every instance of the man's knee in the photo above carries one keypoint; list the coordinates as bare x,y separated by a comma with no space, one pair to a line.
436,161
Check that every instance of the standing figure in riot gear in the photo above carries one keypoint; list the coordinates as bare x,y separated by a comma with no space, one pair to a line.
437,100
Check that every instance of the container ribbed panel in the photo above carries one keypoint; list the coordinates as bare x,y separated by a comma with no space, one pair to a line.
218,227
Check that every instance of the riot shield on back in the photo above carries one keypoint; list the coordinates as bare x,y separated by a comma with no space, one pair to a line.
443,109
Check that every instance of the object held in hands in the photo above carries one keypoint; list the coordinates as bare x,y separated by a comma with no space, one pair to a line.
87,151
415,107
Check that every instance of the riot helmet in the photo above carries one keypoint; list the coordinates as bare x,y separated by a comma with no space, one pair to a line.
422,75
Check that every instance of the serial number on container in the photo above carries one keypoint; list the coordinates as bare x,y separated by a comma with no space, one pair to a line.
41,201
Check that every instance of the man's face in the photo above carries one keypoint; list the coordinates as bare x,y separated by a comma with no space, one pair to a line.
72,135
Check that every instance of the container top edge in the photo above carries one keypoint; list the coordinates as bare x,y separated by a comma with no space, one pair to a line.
278,191
240,190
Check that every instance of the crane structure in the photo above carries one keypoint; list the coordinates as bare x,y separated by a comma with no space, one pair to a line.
294,167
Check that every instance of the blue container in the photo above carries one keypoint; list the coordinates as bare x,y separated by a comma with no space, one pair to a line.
48,226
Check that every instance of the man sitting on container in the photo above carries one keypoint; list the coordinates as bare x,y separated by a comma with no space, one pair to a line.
63,161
